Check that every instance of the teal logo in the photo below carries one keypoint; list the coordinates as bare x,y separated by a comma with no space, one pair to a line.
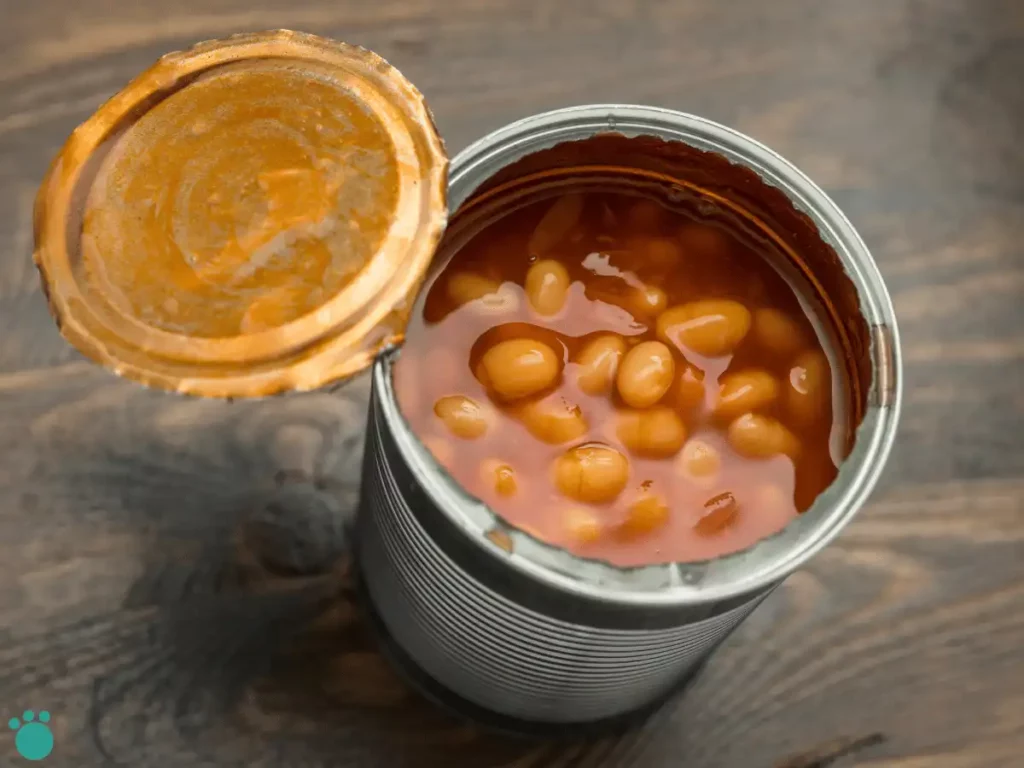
33,738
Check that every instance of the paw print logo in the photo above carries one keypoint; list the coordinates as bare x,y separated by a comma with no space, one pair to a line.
33,739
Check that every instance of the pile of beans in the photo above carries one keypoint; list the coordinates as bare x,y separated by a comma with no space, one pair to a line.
622,379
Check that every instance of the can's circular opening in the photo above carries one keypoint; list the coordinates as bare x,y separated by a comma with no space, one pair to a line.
838,264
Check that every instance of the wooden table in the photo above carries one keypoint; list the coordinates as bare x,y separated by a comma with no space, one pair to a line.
172,571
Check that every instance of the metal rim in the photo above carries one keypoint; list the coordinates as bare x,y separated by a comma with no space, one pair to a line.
771,559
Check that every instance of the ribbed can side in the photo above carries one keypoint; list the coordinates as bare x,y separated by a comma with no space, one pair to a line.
488,648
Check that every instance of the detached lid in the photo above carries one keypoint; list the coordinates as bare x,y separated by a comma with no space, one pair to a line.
250,216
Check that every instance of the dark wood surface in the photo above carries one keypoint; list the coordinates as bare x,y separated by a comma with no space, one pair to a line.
172,571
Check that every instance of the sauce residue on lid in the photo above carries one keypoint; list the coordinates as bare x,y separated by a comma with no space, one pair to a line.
250,216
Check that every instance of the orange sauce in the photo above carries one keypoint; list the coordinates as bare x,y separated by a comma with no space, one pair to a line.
630,377
256,193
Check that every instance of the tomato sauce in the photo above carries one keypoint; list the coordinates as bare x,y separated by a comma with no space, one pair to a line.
629,375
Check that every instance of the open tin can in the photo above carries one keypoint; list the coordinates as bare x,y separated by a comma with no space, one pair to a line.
482,616
486,616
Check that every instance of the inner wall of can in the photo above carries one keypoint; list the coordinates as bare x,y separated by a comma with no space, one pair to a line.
770,560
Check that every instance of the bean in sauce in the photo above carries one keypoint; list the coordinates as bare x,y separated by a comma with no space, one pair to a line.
625,377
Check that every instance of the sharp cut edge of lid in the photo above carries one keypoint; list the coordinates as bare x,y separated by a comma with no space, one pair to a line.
338,352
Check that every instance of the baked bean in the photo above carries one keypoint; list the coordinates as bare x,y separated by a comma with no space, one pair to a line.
463,416
488,296
761,437
660,253
809,387
700,461
717,514
547,286
464,287
645,515
774,332
690,389
582,525
593,473
598,363
645,215
499,476
643,303
711,327
745,391
553,419
648,301
646,373
657,432
519,368
556,224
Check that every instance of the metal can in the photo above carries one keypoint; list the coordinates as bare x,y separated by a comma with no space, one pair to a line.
497,624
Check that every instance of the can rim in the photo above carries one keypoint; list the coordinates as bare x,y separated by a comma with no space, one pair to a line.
769,560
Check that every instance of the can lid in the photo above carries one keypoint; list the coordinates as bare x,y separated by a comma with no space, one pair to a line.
250,216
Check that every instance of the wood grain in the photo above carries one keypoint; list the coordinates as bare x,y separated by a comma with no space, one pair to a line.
173,578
